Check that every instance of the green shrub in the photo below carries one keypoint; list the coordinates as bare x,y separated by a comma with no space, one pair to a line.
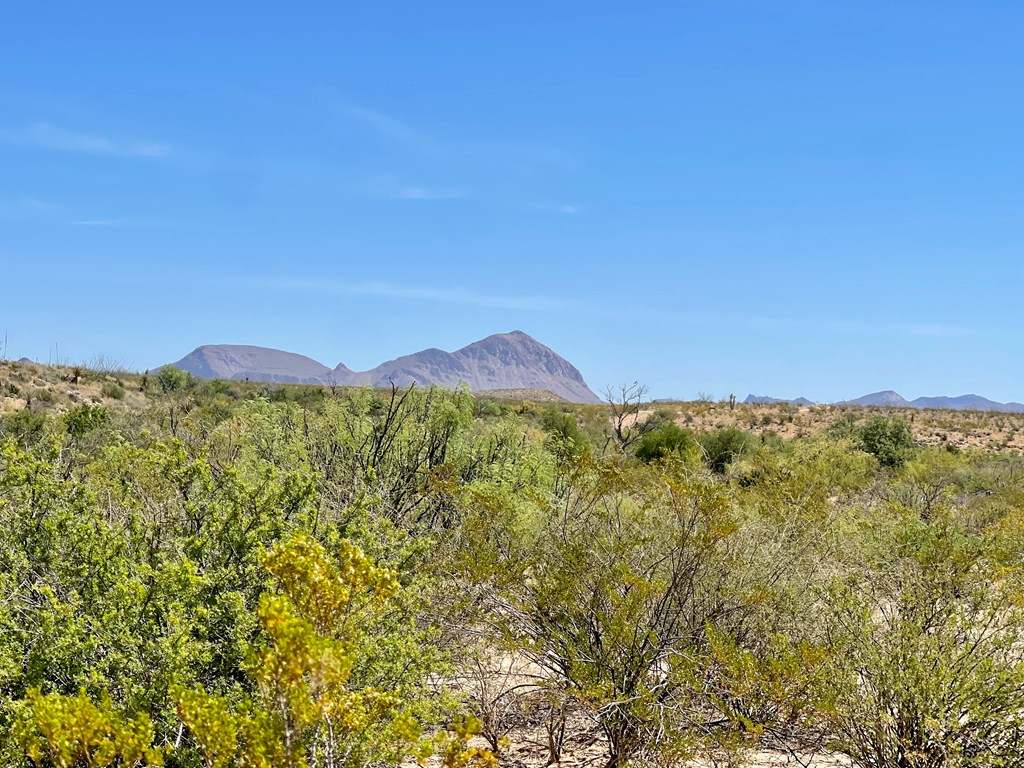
663,441
888,439
484,406
112,390
565,438
24,426
43,396
724,446
172,379
85,418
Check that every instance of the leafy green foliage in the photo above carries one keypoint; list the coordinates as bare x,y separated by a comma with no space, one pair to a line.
724,446
887,438
929,669
70,731
239,574
171,379
663,441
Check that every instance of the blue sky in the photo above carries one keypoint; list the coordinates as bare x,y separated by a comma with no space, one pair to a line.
789,198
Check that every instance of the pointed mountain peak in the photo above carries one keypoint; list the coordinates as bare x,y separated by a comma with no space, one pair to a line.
502,361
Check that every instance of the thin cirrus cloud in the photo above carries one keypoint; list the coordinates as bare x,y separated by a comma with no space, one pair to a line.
416,293
24,207
104,223
927,330
47,136
391,128
393,189
523,163
423,193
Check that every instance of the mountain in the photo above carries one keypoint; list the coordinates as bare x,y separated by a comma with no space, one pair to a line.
239,361
890,399
765,399
966,403
503,361
886,399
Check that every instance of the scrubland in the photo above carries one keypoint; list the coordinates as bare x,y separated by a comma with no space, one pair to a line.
242,574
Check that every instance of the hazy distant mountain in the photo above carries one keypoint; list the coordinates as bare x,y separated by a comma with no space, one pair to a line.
890,399
765,399
967,403
886,399
502,361
239,361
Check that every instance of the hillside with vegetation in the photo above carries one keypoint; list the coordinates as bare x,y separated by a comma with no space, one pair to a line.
228,573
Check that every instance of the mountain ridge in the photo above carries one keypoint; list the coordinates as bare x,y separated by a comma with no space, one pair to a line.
513,360
888,398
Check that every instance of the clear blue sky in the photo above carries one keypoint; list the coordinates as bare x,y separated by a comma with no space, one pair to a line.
790,198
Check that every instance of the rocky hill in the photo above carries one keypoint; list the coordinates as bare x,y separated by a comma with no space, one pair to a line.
239,361
503,361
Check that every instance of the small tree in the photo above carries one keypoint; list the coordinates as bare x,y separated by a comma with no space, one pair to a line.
171,379
624,405
888,439
614,599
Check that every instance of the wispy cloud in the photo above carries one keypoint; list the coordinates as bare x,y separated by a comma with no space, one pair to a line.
103,223
939,331
930,330
49,136
568,209
391,128
391,188
421,193
445,295
24,206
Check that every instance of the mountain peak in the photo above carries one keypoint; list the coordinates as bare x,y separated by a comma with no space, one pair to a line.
501,361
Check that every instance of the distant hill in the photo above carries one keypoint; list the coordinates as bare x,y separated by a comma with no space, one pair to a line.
886,399
890,399
761,399
238,361
504,361
967,403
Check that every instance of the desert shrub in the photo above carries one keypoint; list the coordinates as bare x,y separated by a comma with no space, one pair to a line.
112,390
664,440
171,379
723,446
565,437
85,418
625,576
888,439
484,407
44,396
928,663
25,427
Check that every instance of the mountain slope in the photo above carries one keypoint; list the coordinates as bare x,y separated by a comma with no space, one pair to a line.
890,399
239,361
886,398
966,403
765,399
504,361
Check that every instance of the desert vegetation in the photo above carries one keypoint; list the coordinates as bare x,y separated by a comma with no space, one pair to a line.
221,573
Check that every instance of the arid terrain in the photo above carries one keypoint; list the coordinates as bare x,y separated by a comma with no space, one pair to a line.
26,384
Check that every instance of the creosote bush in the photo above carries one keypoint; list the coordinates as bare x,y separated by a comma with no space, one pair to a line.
234,574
